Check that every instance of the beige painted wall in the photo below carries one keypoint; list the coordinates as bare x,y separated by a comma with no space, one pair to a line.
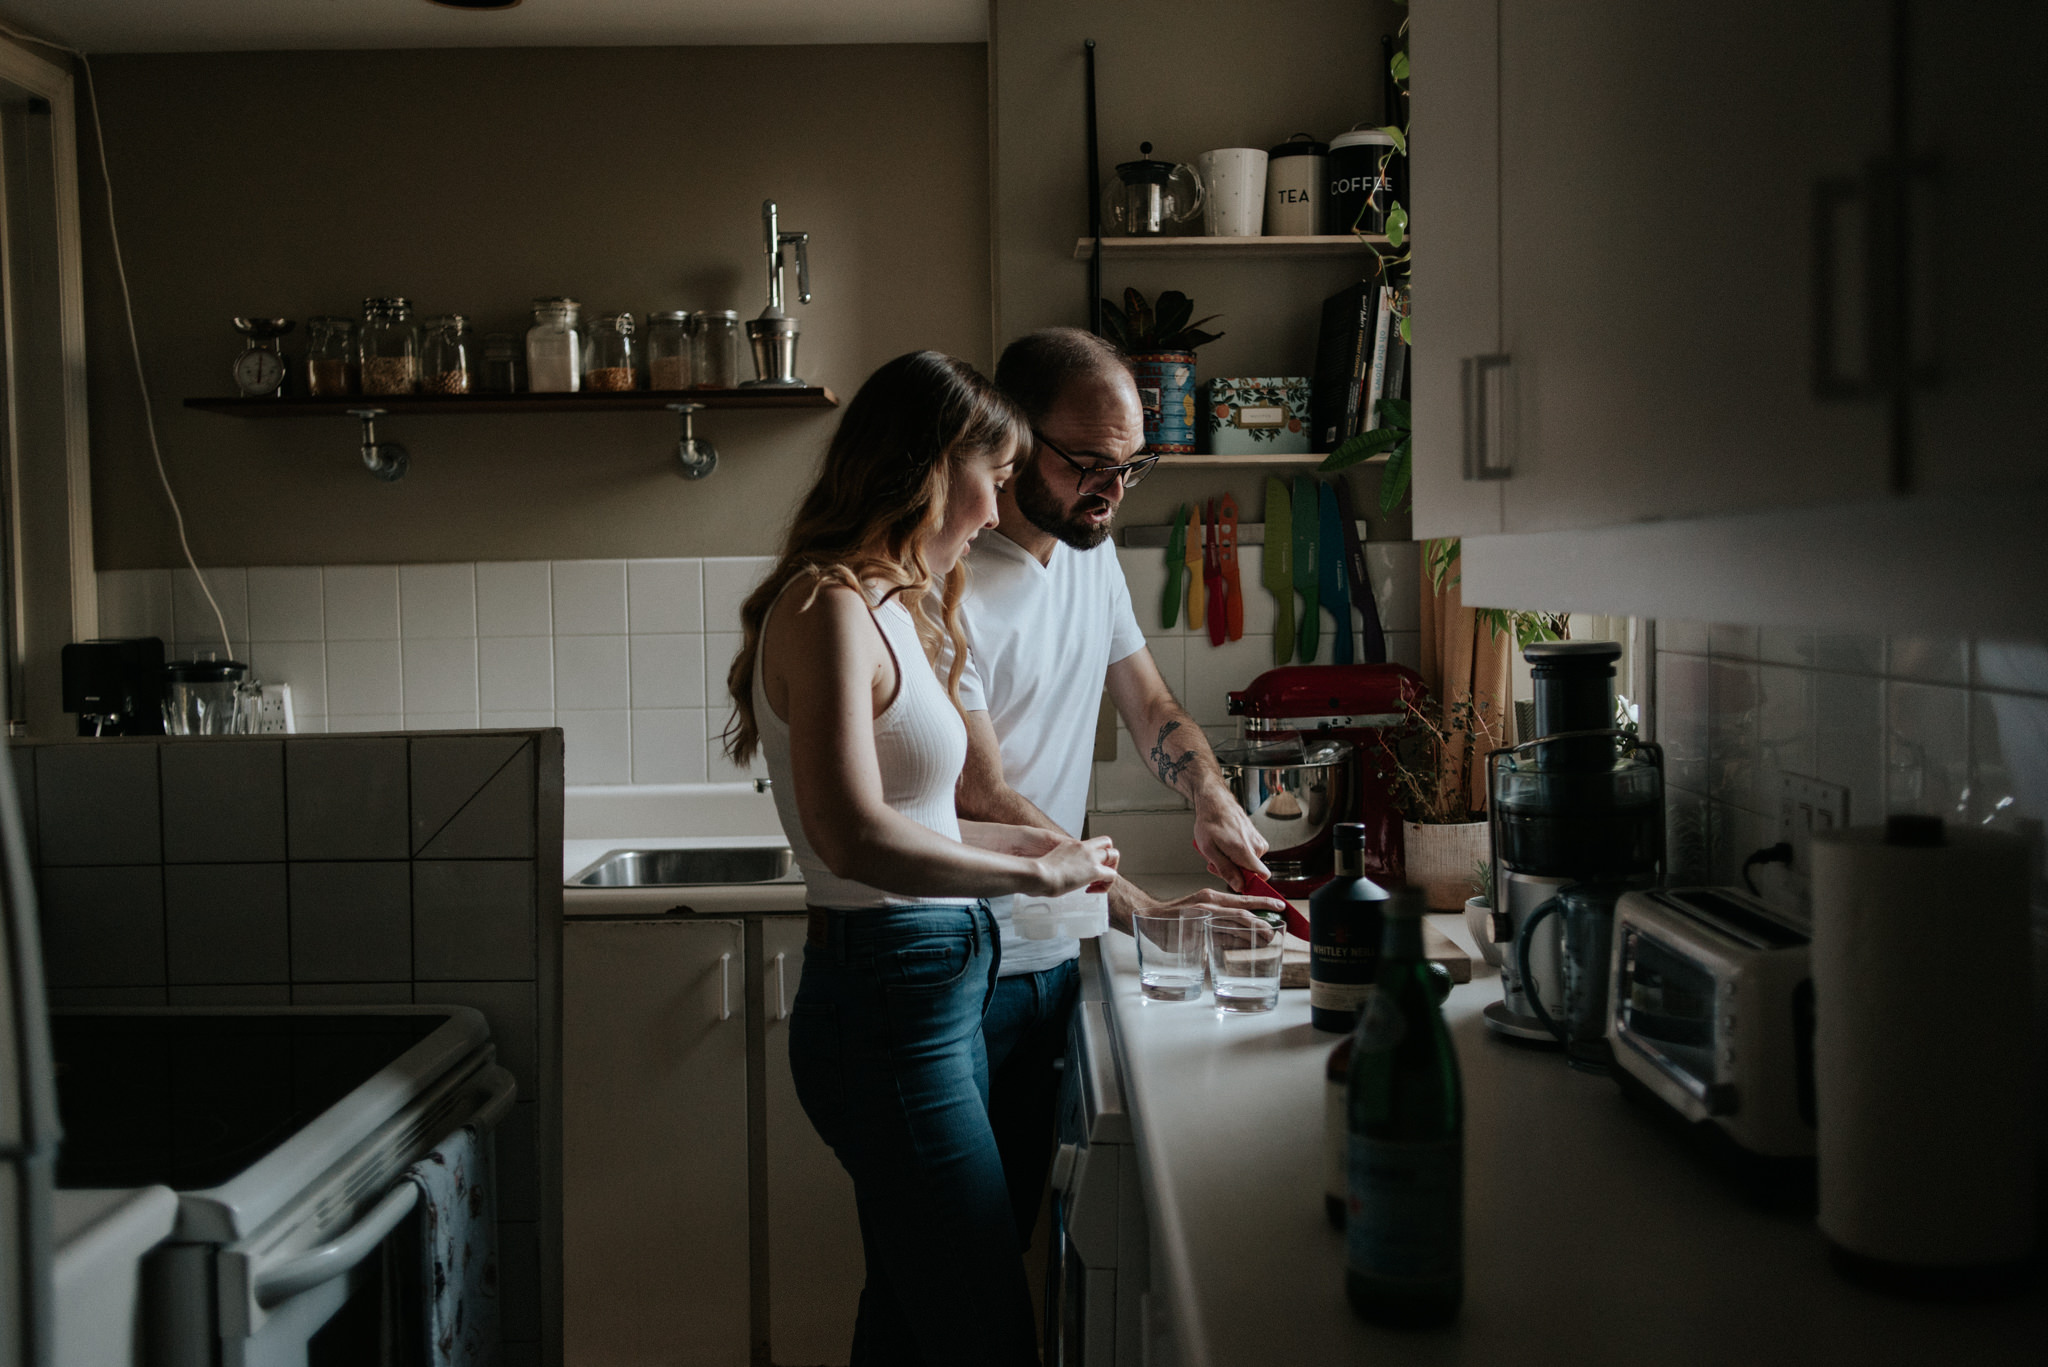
1187,76
471,181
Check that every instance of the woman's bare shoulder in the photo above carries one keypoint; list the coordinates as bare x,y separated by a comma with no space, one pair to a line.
832,617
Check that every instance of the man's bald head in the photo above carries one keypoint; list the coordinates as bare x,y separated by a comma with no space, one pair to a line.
1042,368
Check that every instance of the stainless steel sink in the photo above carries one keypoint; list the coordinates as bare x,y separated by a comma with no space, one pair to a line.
689,868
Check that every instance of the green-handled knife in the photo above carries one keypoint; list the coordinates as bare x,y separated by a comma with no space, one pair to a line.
1307,519
1278,576
1176,567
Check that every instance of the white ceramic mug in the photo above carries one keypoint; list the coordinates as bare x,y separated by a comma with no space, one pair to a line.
1236,181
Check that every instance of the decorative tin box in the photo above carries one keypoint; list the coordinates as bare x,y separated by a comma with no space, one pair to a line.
1257,415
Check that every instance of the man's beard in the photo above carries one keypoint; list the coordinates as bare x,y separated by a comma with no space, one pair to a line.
1042,510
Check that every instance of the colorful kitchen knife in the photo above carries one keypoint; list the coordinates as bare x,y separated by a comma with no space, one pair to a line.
1212,575
1330,577
1226,554
1306,520
1176,566
1279,569
1361,582
1198,591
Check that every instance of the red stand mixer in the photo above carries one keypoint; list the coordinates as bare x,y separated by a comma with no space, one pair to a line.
1315,741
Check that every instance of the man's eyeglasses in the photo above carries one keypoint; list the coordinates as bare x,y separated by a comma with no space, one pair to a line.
1096,479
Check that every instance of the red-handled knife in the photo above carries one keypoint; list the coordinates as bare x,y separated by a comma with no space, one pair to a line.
1255,886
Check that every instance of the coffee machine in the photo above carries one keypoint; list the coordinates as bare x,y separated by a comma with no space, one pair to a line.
1314,753
115,687
1577,819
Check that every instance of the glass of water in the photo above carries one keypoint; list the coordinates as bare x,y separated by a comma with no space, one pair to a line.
1244,961
1169,956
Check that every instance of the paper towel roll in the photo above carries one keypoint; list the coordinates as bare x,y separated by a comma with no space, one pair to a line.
1922,968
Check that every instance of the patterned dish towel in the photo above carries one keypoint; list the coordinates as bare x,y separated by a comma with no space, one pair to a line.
459,1251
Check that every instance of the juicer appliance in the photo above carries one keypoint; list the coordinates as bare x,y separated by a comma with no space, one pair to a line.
1315,749
1577,820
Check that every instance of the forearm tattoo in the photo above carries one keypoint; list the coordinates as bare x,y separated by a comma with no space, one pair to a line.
1170,767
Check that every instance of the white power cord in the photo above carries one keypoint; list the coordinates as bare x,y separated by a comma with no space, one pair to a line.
134,341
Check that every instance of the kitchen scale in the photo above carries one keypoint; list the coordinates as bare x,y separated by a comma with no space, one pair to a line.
260,370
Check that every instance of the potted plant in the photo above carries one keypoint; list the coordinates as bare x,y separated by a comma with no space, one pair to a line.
1479,912
1161,342
1444,836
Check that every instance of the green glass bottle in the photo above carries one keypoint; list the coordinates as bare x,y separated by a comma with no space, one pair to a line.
1405,1217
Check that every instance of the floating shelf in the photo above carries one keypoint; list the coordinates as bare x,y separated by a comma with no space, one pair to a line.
1243,248
1263,458
416,405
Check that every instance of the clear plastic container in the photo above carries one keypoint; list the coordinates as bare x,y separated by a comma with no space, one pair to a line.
501,363
668,350
390,347
715,349
331,357
1083,915
554,347
448,356
608,359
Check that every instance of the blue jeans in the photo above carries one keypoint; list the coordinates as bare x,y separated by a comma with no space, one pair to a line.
886,1047
1026,1030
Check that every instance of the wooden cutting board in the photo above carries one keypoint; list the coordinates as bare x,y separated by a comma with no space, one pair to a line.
1436,946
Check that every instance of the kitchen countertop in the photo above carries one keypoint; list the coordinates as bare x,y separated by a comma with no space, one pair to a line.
1592,1235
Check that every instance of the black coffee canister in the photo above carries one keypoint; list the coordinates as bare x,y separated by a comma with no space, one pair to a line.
1360,189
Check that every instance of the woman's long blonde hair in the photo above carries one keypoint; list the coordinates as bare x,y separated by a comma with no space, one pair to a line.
878,499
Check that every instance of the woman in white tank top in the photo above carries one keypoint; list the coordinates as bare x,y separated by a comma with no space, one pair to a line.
835,686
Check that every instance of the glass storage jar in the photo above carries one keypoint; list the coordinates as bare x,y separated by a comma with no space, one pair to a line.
390,347
715,349
668,350
501,363
330,357
554,347
608,361
447,356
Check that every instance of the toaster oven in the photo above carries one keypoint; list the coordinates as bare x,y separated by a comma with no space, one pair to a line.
1712,1012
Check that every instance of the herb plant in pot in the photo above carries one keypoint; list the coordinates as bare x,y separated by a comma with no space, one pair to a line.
1161,342
1444,836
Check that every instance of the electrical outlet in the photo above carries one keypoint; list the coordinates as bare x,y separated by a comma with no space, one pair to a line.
274,709
1806,805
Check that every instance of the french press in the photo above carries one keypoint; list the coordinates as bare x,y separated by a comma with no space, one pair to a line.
1149,198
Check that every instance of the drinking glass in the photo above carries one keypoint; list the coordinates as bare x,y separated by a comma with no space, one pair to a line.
1244,962
1169,957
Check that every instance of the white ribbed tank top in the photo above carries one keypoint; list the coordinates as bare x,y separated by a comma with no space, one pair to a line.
920,746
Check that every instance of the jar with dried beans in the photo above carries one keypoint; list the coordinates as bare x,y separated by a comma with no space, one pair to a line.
608,365
668,350
331,357
447,356
390,347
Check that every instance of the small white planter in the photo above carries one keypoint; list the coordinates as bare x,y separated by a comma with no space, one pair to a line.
1440,860
1479,924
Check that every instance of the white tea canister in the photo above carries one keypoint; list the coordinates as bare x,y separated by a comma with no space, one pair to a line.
1236,181
1295,186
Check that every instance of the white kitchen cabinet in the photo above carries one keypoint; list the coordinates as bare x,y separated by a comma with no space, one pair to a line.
815,1265
1455,186
654,1143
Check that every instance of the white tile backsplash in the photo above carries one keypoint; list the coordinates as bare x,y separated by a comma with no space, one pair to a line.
302,664
440,676
592,672
668,671
727,582
193,615
137,603
668,745
436,601
385,721
596,746
361,602
284,603
1213,671
514,598
721,648
364,679
590,597
516,673
664,596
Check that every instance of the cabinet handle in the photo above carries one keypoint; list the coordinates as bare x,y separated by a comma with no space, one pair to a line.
1832,195
725,986
1483,380
781,997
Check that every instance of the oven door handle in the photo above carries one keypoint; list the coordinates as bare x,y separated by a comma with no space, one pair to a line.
332,1259
494,1092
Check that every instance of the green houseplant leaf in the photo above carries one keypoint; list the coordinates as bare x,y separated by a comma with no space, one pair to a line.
1138,321
1172,313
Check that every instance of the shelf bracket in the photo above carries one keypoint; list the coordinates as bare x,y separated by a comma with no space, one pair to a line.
387,460
697,457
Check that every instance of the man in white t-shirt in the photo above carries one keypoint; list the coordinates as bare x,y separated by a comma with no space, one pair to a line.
1049,627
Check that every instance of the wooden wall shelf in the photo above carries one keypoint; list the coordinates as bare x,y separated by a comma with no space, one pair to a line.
415,405
1237,248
